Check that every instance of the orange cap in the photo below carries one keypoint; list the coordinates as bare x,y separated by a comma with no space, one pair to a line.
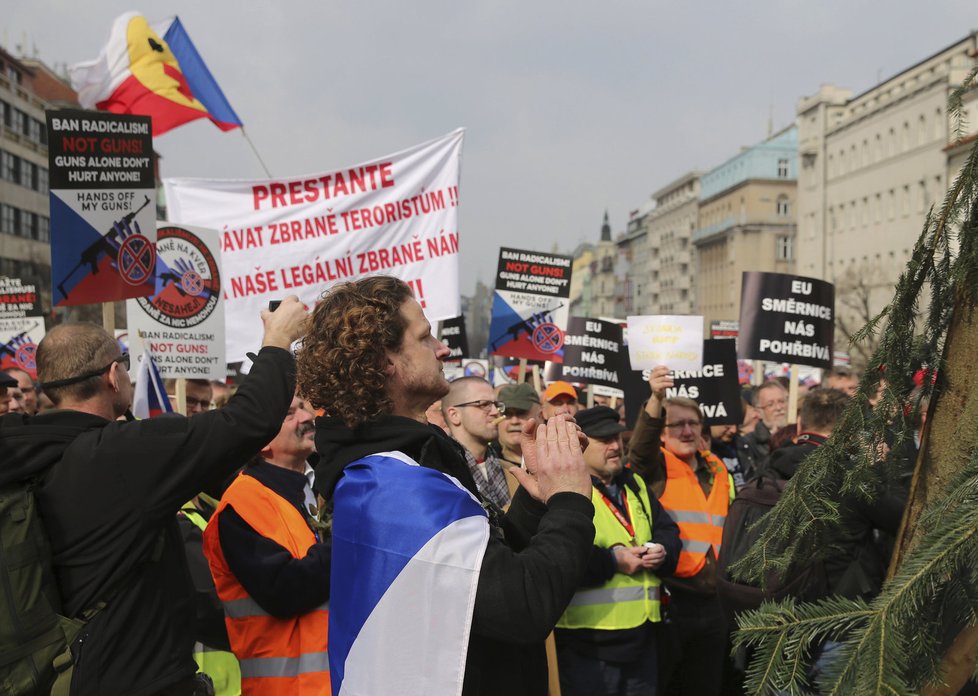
555,389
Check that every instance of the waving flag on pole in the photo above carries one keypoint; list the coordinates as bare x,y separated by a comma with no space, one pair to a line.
408,544
149,398
152,71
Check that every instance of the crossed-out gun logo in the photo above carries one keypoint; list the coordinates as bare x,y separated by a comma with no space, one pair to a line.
188,284
19,351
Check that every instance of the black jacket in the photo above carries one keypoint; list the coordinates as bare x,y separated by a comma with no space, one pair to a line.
109,505
524,586
856,566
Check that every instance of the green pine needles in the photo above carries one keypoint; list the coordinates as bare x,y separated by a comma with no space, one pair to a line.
893,644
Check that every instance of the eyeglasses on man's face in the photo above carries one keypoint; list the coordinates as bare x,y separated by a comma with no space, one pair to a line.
485,404
203,404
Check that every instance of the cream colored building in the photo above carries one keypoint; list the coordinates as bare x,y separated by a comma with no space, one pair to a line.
668,285
580,285
871,166
746,223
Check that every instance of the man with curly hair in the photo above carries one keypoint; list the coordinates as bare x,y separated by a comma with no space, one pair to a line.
432,585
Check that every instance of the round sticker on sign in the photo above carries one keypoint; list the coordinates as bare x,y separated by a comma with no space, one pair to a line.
548,338
188,284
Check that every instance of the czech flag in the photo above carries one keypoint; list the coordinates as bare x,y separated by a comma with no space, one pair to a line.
149,398
152,71
408,544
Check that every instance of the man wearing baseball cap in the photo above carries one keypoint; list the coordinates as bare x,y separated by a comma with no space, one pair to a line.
522,403
559,398
606,638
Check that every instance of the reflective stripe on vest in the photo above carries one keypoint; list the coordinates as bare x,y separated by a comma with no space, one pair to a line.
276,656
700,517
697,517
245,607
625,601
610,595
693,546
258,667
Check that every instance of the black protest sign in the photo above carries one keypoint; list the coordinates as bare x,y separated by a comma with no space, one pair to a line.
530,305
715,386
592,354
452,334
785,318
103,206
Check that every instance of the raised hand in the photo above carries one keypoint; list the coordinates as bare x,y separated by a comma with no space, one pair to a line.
553,459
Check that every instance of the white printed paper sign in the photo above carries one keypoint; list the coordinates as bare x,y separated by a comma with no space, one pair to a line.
182,322
673,341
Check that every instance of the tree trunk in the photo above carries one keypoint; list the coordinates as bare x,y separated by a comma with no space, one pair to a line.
950,436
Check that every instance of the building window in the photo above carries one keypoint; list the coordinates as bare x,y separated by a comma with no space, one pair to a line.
784,207
28,224
17,121
43,229
782,169
8,219
26,178
784,248
8,166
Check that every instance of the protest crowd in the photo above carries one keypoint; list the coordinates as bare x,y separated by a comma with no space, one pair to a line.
367,507
542,546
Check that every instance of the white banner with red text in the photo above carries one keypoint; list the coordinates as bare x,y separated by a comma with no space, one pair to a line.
397,215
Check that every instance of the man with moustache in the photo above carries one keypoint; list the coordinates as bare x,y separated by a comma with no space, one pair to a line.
271,564
606,640
522,404
471,412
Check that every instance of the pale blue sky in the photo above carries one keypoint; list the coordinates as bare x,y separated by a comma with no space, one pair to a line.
570,107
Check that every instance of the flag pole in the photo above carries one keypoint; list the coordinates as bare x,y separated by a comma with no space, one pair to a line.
258,156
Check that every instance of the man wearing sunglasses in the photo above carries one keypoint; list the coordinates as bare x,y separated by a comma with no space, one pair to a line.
694,488
472,414
112,488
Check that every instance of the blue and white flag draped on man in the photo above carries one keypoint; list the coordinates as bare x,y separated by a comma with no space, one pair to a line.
408,544
149,398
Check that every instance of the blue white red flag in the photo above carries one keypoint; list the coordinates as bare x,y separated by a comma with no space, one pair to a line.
149,398
408,543
152,71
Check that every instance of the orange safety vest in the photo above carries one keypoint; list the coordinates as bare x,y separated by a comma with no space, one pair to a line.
277,656
700,518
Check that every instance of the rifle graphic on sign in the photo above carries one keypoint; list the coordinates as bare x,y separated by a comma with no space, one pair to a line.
11,346
105,244
527,325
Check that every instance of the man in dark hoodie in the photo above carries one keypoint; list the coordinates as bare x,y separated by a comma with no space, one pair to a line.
112,491
371,362
857,566
820,409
